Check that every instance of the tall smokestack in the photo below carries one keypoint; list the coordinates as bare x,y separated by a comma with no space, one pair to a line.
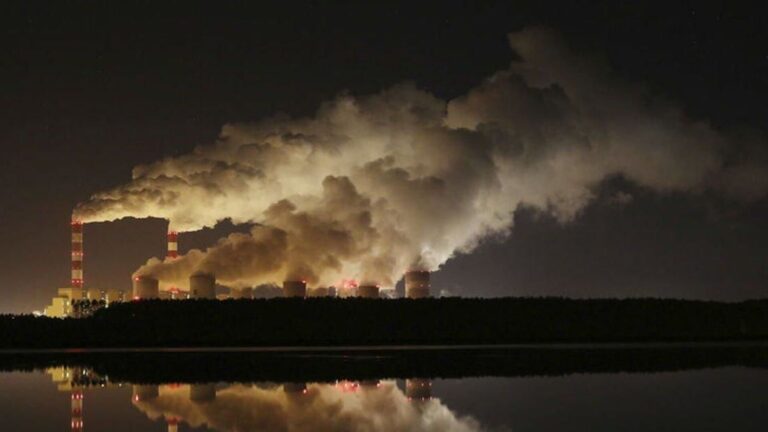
171,254
294,289
77,254
417,284
173,424
77,411
173,244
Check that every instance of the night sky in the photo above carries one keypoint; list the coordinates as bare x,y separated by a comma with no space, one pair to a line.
90,90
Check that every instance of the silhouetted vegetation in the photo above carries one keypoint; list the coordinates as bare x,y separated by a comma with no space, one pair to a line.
340,322
83,308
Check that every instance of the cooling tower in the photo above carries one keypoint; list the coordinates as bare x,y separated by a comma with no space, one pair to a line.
294,289
370,384
145,287
202,286
142,393
77,254
368,291
295,388
417,284
418,389
202,392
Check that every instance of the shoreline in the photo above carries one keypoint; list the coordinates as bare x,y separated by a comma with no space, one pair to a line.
399,348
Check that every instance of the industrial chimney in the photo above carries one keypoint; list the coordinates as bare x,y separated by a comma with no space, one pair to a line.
173,424
368,291
77,411
417,284
173,244
202,286
294,289
77,254
145,287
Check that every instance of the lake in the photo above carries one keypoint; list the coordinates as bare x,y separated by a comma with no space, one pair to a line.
572,388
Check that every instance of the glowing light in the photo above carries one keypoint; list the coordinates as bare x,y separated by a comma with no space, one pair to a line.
347,386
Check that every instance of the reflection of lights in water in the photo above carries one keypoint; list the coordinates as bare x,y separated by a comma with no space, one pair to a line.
345,405
347,386
371,405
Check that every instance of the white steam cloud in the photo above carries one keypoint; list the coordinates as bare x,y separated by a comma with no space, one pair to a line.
324,407
372,186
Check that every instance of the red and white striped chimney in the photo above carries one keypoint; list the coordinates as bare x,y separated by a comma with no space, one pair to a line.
77,411
77,254
173,253
173,244
173,424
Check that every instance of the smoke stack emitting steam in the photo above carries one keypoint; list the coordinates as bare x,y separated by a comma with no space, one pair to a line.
173,244
77,254
373,186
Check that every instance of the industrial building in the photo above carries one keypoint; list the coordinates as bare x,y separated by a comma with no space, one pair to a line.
63,304
203,285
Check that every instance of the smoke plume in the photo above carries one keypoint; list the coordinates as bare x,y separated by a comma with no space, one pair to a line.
324,407
374,185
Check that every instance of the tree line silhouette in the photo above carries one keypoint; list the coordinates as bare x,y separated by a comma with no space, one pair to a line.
355,321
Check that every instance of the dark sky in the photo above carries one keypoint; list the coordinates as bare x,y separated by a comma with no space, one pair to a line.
90,90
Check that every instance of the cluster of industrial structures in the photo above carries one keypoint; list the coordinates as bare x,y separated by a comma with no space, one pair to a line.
201,285
75,380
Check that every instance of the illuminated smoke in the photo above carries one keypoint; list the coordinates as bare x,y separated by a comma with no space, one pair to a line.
323,407
372,186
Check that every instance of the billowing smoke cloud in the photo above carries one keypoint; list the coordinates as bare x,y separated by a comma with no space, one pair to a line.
373,185
324,407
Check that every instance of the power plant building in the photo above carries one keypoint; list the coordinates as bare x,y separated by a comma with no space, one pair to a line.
203,285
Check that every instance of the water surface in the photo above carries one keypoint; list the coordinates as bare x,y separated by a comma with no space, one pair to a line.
651,389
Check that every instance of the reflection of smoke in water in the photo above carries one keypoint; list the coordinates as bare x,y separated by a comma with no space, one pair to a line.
346,405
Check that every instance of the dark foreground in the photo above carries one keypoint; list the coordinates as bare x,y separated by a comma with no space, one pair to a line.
359,322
